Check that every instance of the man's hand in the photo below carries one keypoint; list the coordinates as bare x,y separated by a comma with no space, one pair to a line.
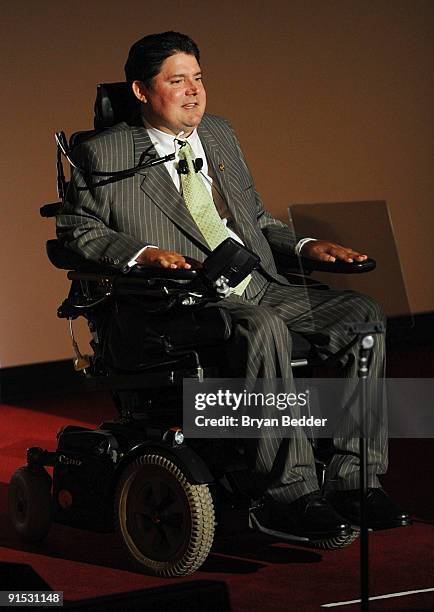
165,259
330,251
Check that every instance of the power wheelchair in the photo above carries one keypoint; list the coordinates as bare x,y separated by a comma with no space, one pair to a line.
138,475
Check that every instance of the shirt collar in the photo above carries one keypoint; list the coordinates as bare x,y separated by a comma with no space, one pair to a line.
164,142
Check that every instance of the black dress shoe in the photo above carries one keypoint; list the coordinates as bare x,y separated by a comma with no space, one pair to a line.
382,512
310,516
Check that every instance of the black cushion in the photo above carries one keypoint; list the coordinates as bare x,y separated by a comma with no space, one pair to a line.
115,102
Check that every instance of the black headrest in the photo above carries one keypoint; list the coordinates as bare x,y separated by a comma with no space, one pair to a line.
114,102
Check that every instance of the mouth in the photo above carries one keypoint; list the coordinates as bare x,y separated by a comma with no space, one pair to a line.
190,105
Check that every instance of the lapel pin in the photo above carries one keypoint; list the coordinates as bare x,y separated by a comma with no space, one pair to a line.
221,166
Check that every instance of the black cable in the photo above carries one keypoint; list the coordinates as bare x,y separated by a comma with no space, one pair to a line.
154,161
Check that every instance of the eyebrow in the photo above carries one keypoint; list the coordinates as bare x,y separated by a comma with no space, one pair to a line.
182,74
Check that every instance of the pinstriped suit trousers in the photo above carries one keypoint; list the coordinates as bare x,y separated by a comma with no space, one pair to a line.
284,468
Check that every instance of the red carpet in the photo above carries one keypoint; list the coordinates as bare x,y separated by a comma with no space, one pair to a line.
260,574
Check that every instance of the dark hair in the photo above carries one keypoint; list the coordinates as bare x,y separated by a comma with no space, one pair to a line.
147,54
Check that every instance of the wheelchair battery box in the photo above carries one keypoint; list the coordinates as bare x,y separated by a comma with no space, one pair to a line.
232,260
83,478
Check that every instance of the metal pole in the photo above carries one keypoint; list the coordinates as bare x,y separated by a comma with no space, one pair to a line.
366,344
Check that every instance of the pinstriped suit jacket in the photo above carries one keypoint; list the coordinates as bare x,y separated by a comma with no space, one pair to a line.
108,221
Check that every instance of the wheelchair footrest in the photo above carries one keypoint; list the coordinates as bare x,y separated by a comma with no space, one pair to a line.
331,542
281,535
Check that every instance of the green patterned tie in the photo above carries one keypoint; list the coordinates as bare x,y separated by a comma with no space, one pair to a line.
202,208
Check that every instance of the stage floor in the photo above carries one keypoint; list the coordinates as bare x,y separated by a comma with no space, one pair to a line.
260,574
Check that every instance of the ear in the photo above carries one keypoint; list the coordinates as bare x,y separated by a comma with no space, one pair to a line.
139,91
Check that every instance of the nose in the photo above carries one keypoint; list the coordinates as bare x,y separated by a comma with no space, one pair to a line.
192,88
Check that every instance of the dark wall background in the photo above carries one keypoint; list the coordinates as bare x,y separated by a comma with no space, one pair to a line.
332,101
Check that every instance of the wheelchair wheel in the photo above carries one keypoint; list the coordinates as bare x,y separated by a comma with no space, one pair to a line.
29,501
165,522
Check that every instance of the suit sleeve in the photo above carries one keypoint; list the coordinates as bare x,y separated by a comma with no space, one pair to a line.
278,234
84,224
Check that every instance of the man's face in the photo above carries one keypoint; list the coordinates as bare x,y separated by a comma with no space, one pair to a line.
176,99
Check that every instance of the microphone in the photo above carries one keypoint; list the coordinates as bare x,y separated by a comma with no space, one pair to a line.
198,164
183,166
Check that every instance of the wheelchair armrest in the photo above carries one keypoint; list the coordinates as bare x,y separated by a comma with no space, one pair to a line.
339,267
166,273
164,288
161,289
293,263
65,259
138,282
50,210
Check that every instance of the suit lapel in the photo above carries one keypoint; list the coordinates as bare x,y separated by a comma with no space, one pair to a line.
215,158
224,165
157,184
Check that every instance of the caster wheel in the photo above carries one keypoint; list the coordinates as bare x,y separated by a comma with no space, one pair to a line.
166,523
29,501
336,542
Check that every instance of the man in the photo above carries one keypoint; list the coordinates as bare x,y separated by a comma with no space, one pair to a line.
149,219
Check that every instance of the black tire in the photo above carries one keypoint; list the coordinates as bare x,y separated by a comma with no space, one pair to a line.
166,523
29,501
